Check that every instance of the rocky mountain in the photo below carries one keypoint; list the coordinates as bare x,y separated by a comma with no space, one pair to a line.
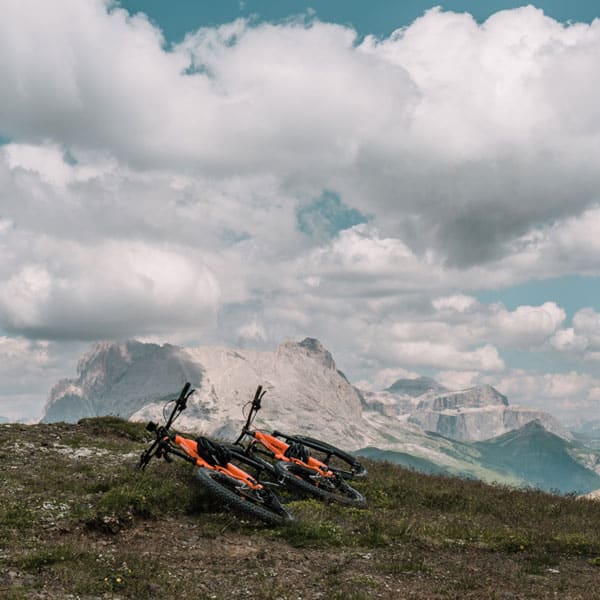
477,413
133,380
120,379
431,427
305,391
530,456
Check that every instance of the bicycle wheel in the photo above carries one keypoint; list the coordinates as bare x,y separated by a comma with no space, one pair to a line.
343,463
262,503
264,472
333,489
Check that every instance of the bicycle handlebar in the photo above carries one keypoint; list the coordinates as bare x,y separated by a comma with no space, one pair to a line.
258,397
162,432
183,396
256,404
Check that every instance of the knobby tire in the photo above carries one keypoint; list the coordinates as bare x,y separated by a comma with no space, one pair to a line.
356,468
342,493
222,487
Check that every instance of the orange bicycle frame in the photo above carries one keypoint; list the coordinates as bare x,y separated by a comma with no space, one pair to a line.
279,447
190,448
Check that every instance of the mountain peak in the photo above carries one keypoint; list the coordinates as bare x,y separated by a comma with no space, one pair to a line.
415,387
119,378
313,348
475,397
535,425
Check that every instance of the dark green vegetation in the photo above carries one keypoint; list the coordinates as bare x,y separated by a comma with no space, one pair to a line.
537,456
76,520
527,457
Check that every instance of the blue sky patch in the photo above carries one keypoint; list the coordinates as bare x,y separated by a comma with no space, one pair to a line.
326,216
377,17
572,292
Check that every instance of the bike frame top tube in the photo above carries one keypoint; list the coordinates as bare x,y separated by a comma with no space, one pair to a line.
189,447
278,448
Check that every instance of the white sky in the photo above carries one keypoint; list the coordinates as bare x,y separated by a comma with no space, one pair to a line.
154,192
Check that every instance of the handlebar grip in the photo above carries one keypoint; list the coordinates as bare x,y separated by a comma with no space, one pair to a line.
257,397
184,391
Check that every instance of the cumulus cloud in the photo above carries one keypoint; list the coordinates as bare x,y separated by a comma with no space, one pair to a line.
458,380
115,290
527,326
432,354
569,394
455,135
459,303
582,341
263,181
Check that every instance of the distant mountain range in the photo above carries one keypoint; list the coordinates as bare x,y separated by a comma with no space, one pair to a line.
416,422
476,413
529,456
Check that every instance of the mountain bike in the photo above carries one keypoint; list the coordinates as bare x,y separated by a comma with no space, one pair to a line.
304,464
214,467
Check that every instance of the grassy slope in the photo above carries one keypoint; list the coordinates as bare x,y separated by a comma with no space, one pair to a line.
76,519
527,457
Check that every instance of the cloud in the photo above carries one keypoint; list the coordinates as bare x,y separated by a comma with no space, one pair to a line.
458,302
434,354
46,161
458,380
252,331
114,290
582,340
570,394
20,353
453,135
526,326
586,324
264,181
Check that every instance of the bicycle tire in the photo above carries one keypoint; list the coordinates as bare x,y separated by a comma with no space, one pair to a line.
257,466
264,472
357,469
339,491
229,491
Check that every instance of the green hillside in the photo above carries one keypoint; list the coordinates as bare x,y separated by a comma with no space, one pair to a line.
77,521
527,457
540,458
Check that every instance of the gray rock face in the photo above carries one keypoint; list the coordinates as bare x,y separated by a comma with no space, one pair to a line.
306,394
483,423
119,379
474,414
477,397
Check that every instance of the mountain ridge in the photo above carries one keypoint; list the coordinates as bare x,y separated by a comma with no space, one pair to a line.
307,393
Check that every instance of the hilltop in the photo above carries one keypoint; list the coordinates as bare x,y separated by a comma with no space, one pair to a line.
77,521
